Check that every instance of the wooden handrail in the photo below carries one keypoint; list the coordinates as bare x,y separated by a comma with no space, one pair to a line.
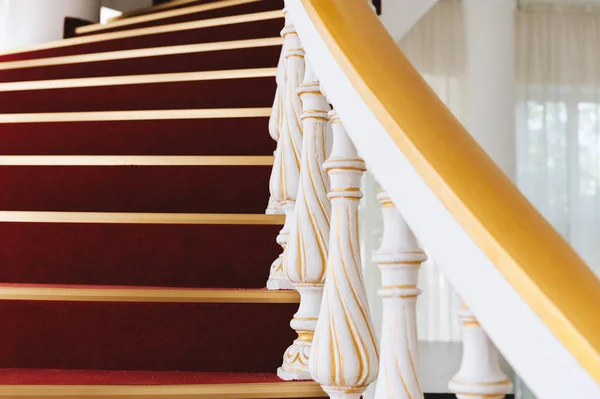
539,264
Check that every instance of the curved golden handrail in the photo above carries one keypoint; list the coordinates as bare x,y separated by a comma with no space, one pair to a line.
540,265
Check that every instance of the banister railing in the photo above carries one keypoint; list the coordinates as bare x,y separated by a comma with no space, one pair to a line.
524,285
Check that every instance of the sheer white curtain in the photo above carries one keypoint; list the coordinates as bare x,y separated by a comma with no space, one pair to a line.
558,120
435,46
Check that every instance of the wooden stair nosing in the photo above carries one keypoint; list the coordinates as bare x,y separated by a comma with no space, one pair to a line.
138,79
151,9
140,218
297,389
48,292
136,160
88,116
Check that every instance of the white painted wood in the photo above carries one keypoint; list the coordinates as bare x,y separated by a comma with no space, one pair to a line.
479,376
490,83
344,357
527,343
306,253
28,22
399,260
286,168
275,121
399,16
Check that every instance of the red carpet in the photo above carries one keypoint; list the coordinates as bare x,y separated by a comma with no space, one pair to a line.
228,256
246,30
258,57
186,189
64,340
224,136
144,336
108,377
230,93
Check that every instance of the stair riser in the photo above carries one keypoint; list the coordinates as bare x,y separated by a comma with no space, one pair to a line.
199,256
247,30
186,189
145,336
234,136
265,5
260,57
230,93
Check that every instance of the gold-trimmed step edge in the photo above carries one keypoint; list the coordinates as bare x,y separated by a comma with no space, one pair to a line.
138,79
271,390
96,116
143,53
141,218
136,160
205,23
162,15
144,10
44,292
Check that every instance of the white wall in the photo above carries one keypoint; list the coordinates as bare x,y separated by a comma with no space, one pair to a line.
26,22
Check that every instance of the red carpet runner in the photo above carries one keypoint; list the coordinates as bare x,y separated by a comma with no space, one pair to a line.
134,165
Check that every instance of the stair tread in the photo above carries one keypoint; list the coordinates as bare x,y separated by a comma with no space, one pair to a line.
192,13
153,30
132,377
169,77
143,53
112,293
157,16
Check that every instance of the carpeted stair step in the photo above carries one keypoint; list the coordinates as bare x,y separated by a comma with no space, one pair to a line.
228,89
169,5
237,54
218,132
191,13
209,185
137,328
178,250
249,26
97,384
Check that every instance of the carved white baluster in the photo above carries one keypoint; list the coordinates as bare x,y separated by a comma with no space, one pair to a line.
286,168
480,376
306,254
275,122
344,358
399,259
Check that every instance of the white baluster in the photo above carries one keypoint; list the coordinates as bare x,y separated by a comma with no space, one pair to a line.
275,122
344,358
306,254
399,259
286,168
480,376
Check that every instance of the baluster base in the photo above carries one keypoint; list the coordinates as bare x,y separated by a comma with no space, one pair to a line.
295,359
278,279
344,393
273,208
474,390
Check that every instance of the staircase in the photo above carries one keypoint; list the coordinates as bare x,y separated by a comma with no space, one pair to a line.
135,161
142,205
